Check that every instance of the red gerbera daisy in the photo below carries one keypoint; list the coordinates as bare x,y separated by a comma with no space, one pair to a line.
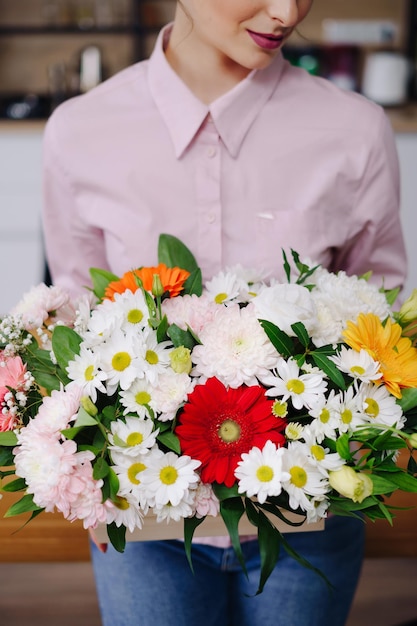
218,424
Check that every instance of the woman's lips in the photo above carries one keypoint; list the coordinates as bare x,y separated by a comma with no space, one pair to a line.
266,41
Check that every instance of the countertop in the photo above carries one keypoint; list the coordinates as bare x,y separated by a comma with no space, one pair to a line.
403,120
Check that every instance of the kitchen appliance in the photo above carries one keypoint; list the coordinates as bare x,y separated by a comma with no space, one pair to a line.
386,78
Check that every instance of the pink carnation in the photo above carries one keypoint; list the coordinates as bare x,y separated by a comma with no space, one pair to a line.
38,303
12,376
57,410
206,502
192,311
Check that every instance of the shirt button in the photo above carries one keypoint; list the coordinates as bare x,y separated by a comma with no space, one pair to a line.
211,218
211,152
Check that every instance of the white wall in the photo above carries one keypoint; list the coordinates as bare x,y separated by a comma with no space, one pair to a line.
407,152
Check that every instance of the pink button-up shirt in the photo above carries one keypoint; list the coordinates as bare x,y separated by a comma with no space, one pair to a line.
283,160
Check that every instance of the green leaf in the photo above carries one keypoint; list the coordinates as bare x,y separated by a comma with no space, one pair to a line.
174,253
190,524
302,561
24,505
231,511
100,279
65,344
194,283
117,536
403,481
223,493
15,485
8,438
408,400
302,334
84,419
180,337
114,483
100,469
162,328
170,440
269,540
329,368
381,485
280,340
6,457
343,447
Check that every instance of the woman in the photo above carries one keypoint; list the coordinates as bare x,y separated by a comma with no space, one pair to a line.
219,141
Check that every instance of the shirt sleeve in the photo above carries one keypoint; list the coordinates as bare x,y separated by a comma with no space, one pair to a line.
376,241
71,245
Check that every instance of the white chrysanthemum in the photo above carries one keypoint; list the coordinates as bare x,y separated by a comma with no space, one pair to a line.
379,406
348,410
319,510
260,472
339,298
101,324
304,390
125,512
326,420
235,349
85,371
132,438
83,310
138,398
170,394
253,281
224,287
294,431
156,355
132,310
168,478
123,360
320,456
305,480
168,512
129,470
284,305
359,365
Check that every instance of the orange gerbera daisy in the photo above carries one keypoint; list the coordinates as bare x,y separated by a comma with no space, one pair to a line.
396,355
172,280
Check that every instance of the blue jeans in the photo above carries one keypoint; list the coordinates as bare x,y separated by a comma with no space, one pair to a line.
151,584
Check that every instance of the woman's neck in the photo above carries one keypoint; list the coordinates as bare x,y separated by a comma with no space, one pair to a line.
204,70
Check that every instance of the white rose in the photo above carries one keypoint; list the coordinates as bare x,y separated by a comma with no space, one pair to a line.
351,484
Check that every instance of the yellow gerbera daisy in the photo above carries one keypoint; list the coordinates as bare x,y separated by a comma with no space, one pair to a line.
396,355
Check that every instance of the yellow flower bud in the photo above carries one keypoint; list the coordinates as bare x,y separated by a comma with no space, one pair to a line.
408,311
88,406
413,440
351,484
181,360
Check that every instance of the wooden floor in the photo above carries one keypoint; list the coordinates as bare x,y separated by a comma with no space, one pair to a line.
63,594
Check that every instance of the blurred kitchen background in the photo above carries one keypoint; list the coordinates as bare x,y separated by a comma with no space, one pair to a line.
51,50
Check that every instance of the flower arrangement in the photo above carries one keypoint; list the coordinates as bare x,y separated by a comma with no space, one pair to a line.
239,397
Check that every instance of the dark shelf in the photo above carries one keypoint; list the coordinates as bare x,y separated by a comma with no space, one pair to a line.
70,30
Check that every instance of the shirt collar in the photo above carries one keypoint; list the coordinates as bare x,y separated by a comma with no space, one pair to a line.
232,114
